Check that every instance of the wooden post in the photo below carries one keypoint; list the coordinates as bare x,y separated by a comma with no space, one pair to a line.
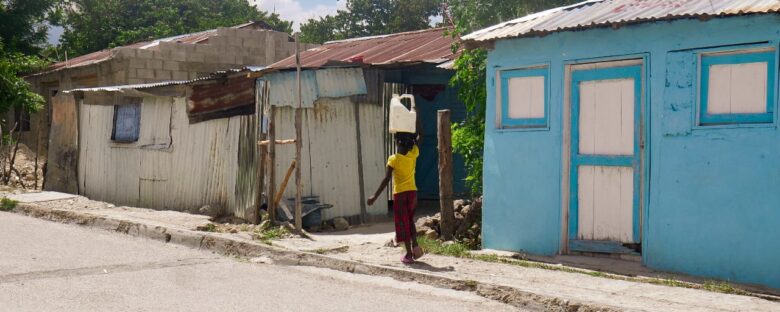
262,151
445,174
298,139
271,163
361,181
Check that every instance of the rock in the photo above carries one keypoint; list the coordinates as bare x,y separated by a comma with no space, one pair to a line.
466,209
422,230
340,224
448,243
233,230
431,234
208,210
458,204
458,216
391,243
110,206
326,227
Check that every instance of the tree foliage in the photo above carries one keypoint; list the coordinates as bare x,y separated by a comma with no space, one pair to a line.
23,31
23,24
92,25
470,78
371,17
14,90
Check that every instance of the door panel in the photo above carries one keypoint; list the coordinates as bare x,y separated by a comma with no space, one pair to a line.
605,160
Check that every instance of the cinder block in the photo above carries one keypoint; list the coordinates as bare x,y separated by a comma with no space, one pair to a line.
144,73
180,75
179,56
161,74
135,81
158,55
205,49
195,57
142,53
227,59
120,75
234,41
154,64
171,65
124,53
136,63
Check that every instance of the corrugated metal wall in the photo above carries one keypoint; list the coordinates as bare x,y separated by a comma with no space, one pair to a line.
174,165
330,164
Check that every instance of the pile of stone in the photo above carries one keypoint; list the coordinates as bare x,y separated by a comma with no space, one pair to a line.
24,173
468,222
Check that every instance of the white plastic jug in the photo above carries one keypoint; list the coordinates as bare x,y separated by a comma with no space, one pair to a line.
401,118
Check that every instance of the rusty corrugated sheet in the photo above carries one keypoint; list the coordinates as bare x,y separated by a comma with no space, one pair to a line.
424,46
222,98
602,13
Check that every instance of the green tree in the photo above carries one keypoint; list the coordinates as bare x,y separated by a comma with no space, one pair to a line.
14,90
23,24
470,78
371,17
23,31
92,25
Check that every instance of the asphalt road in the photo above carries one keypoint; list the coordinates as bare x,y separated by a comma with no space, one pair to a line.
46,266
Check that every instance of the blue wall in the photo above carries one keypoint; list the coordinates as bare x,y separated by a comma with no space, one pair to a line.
712,201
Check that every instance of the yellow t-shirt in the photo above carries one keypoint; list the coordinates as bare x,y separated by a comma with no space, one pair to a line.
403,170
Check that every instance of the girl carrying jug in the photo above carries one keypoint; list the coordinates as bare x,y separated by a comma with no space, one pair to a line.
401,168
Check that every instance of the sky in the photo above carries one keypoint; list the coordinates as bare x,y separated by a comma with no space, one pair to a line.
299,11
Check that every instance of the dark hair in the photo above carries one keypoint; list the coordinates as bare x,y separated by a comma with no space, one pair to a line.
405,139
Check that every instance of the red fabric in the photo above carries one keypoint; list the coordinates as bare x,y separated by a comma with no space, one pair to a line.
403,214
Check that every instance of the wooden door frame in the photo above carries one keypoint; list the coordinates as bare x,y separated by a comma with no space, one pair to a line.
598,63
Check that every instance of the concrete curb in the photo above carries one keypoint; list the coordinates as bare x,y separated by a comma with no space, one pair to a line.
230,246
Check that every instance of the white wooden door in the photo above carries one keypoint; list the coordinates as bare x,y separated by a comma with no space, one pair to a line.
604,203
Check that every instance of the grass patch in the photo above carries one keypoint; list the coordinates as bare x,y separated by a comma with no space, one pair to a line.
460,250
270,234
438,248
7,204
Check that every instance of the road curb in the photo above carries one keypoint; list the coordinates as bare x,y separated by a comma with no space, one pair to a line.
231,246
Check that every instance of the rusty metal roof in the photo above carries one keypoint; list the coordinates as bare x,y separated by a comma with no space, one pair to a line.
422,46
604,13
104,55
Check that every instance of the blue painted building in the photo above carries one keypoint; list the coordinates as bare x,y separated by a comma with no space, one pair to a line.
646,128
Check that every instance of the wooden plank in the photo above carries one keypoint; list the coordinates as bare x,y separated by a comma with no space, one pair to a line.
298,137
445,174
526,97
587,118
62,167
585,176
271,162
286,141
283,186
719,90
613,203
607,117
748,88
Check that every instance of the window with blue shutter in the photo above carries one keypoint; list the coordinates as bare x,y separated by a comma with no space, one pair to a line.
127,123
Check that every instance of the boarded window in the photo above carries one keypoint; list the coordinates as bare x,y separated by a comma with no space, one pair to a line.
524,98
737,88
127,122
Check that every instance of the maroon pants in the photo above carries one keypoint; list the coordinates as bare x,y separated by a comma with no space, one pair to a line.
403,214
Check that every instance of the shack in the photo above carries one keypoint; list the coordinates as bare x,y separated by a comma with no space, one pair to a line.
176,58
346,90
645,129
183,145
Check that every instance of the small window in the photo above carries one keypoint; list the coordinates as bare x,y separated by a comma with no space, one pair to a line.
737,88
127,122
524,98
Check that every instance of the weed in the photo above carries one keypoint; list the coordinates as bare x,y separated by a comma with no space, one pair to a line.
439,248
721,287
470,283
271,234
7,204
210,227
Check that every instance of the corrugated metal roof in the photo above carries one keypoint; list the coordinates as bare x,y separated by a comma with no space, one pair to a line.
423,46
104,55
602,13
152,85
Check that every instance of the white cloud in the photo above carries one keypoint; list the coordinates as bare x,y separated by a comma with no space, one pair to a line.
298,12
